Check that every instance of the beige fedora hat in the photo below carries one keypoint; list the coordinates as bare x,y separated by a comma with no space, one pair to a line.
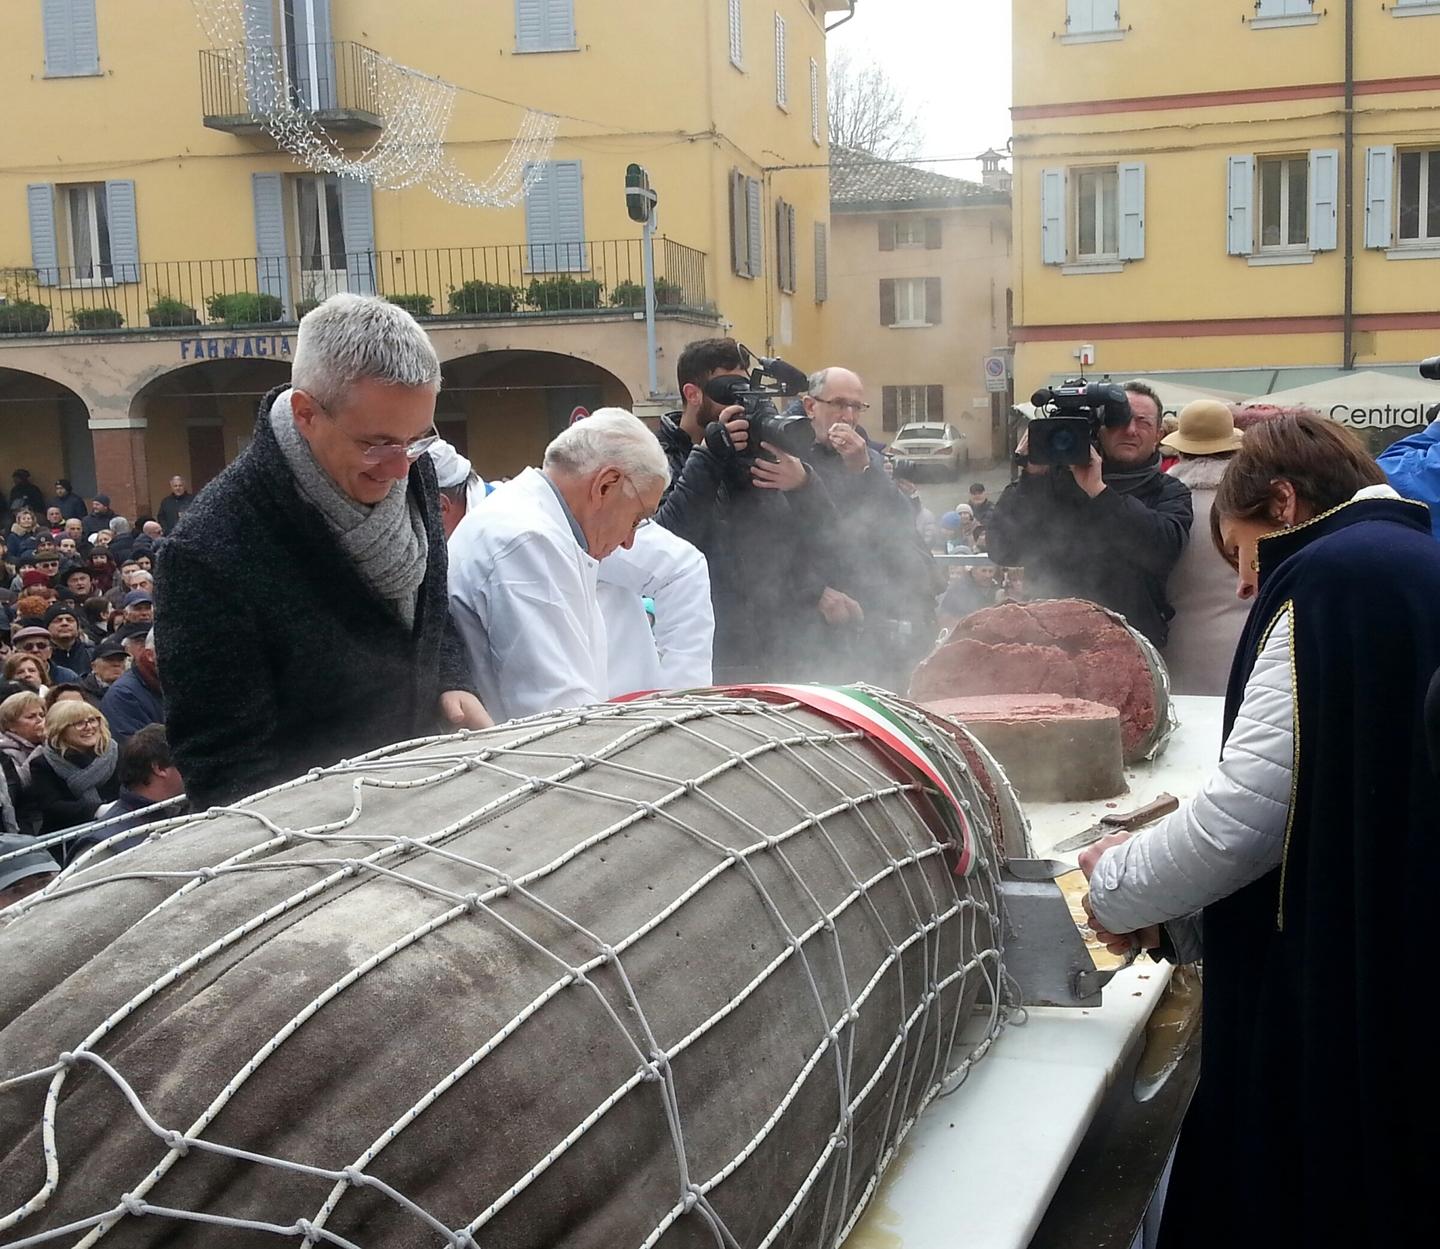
1206,428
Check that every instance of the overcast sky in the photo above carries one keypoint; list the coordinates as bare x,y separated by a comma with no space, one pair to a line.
953,59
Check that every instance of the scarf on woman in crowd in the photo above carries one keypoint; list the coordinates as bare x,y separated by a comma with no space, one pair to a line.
1201,472
387,543
84,780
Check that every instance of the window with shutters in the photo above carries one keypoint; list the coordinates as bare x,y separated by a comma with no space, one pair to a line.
822,262
555,220
1097,214
72,40
785,246
737,35
747,242
1418,200
912,403
1284,13
1092,17
1284,202
910,302
85,237
817,112
545,26
782,82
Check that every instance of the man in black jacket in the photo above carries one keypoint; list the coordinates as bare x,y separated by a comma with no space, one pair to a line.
1108,531
174,505
877,617
337,611
753,517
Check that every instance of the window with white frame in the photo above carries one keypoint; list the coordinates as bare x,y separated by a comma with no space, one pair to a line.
1097,213
737,35
87,231
912,403
909,231
1089,17
816,112
1283,8
910,302
1418,199
782,83
1284,202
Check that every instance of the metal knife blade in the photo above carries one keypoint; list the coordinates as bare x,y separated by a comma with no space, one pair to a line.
1120,822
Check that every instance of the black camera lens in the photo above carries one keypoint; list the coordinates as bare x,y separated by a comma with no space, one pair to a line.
1064,443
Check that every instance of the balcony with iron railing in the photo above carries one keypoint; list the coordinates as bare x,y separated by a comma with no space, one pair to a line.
518,282
242,88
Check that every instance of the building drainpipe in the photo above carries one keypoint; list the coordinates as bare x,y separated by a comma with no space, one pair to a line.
1348,348
843,20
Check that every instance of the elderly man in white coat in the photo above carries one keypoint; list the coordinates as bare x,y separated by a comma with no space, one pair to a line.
524,565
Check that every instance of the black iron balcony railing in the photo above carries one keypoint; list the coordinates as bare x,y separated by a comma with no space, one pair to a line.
335,82
519,281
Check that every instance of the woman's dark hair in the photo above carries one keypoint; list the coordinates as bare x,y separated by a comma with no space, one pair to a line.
1323,461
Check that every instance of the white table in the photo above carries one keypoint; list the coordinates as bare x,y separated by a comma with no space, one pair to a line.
980,1167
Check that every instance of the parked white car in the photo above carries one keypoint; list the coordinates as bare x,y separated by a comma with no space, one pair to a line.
931,446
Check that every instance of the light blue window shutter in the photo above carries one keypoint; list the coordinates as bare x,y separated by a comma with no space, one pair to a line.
757,227
44,249
555,218
540,229
1379,185
317,90
822,263
124,229
544,25
272,265
1239,200
72,41
1132,211
357,224
1053,250
570,214
1324,197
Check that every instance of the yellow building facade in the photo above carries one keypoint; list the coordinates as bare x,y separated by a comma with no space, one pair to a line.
1201,190
157,245
919,285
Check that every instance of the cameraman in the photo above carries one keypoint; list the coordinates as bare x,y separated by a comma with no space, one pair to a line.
877,612
1108,531
752,512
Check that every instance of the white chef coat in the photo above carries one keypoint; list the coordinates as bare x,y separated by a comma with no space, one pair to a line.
676,653
523,595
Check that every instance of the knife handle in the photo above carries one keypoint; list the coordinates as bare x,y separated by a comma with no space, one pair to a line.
1141,816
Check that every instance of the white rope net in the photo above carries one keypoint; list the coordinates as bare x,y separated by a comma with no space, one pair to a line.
414,111
835,897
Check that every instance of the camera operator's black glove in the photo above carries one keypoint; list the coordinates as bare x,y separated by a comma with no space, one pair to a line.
717,442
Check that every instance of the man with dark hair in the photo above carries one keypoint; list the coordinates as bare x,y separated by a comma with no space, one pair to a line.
1108,531
147,775
69,503
982,507
26,494
753,512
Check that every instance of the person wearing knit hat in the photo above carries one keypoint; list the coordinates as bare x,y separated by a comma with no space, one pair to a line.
1208,615
69,648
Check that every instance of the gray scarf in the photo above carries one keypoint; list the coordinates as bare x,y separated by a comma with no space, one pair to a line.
84,782
1201,472
387,543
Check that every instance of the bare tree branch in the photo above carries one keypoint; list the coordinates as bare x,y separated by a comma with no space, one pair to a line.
869,111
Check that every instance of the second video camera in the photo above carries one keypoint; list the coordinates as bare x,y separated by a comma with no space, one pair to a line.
1068,420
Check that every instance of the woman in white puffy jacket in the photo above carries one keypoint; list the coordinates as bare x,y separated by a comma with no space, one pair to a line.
1301,859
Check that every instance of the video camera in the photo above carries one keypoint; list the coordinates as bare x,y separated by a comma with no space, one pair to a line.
1068,419
790,433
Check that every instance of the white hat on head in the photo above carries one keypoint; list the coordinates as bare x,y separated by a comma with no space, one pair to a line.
451,468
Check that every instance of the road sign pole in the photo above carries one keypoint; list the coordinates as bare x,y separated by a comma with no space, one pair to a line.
648,258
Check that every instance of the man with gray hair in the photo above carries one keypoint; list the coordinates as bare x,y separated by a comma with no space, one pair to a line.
524,564
302,615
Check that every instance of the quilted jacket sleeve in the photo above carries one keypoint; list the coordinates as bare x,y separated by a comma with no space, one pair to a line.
1232,832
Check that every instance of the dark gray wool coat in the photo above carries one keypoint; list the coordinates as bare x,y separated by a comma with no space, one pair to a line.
275,655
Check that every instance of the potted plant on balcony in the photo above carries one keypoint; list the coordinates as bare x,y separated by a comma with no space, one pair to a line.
477,298
18,313
564,294
103,318
167,312
415,305
632,294
245,308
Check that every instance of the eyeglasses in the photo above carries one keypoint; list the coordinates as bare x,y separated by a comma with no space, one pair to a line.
93,723
382,452
35,646
845,405
640,521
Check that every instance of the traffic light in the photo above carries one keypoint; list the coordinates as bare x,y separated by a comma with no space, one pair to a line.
640,200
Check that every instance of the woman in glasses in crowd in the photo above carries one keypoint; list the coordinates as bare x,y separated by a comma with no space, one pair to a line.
75,770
